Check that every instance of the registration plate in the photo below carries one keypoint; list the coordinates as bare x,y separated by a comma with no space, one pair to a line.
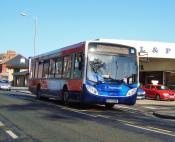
111,101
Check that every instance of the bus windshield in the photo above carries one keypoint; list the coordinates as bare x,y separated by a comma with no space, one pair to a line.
112,68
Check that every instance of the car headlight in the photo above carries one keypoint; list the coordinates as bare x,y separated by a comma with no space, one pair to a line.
92,89
131,92
165,94
141,93
144,93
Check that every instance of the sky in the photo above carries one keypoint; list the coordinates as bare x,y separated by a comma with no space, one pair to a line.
64,22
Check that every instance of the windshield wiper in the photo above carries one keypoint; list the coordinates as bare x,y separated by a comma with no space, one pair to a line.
111,80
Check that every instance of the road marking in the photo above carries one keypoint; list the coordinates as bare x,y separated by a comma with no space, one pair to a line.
125,107
69,109
125,122
13,135
1,124
119,120
160,129
77,111
148,129
103,116
150,107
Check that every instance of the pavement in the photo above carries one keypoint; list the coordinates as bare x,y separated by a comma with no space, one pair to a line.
167,113
170,114
161,109
21,89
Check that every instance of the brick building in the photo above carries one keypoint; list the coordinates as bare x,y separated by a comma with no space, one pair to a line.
4,57
18,67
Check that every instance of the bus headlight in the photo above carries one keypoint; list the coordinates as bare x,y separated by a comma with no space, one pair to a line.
92,89
131,92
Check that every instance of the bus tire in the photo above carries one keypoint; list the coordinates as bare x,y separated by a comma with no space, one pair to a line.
66,97
109,106
38,96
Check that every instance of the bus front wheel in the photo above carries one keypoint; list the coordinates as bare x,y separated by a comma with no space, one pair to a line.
109,106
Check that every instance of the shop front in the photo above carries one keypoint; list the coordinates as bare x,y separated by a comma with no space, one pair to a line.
156,61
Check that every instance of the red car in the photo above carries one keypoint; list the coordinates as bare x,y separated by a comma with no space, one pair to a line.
158,92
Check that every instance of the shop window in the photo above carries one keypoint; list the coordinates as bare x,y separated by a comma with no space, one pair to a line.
59,68
67,67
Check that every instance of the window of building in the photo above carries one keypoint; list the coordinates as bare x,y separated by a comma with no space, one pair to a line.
18,70
67,66
0,68
59,68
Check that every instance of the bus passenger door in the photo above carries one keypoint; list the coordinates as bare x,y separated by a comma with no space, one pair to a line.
76,81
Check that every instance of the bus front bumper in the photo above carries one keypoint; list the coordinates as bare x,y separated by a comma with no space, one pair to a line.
96,99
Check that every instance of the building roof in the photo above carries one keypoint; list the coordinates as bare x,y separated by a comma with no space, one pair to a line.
18,61
21,73
4,57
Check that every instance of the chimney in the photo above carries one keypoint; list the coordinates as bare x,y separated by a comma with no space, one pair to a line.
10,54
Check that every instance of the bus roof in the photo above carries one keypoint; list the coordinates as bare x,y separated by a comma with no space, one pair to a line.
55,53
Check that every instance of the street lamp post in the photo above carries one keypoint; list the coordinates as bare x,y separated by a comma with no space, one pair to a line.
35,32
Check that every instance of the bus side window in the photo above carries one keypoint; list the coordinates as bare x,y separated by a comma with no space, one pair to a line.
40,70
59,68
52,68
67,66
33,68
46,69
78,65
36,69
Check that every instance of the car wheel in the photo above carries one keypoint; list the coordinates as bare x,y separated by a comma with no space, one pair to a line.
158,97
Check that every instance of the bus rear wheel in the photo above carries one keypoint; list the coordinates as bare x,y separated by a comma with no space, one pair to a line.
66,97
39,96
109,106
